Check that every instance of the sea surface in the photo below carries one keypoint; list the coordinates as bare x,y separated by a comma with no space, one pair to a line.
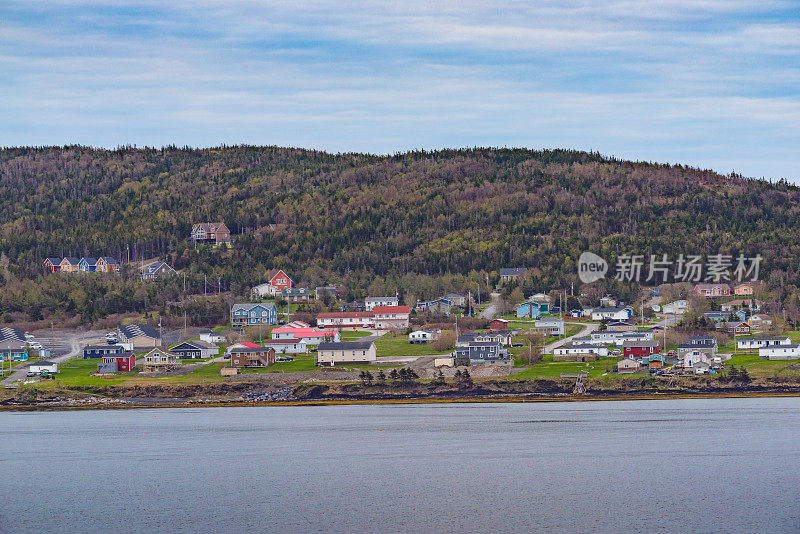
710,465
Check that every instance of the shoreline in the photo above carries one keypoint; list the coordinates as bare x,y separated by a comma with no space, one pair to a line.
418,400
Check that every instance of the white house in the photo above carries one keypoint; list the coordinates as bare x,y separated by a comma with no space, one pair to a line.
554,326
391,317
371,302
423,336
287,346
575,348
611,314
354,319
618,338
209,336
779,352
43,367
674,308
692,357
752,343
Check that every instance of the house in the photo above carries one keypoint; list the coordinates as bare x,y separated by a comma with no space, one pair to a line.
391,317
251,355
189,350
736,304
214,233
654,361
701,368
716,317
611,314
139,336
353,306
481,352
737,328
277,280
13,350
779,352
287,346
513,273
752,343
209,336
296,294
321,291
689,353
673,308
456,299
639,349
628,366
52,264
311,336
552,326
117,363
712,290
440,306
703,341
532,310
87,265
160,361
155,270
423,336
333,353
498,324
43,366
759,321
248,314
370,303
8,332
106,264
744,289
579,352
608,302
622,326
101,351
620,338
346,319
577,314
69,264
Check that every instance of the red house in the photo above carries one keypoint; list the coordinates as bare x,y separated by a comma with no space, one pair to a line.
279,280
117,363
712,290
639,349
211,233
498,325
52,264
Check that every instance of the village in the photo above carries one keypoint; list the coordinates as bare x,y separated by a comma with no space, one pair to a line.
505,335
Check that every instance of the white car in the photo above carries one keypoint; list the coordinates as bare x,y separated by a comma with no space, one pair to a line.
35,345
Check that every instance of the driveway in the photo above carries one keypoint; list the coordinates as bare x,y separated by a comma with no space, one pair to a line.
490,310
585,331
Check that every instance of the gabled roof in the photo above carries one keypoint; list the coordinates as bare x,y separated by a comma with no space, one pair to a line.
391,309
513,271
90,261
12,345
274,272
345,345
53,261
135,330
712,286
193,345
249,306
109,260
344,315
11,333
639,344
379,299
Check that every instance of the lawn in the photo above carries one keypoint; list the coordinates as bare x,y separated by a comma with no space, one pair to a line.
352,335
757,367
398,345
549,369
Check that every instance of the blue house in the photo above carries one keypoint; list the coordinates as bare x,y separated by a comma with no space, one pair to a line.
254,314
720,316
532,310
87,265
13,350
101,351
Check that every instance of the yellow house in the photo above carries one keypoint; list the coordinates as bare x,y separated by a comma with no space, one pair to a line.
70,265
743,289
333,353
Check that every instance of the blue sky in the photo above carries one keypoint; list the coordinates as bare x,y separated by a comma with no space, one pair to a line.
714,84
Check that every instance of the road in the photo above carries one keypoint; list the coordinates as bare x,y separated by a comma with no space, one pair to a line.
585,331
490,310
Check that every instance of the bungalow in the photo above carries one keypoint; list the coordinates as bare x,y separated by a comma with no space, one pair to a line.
87,265
106,264
736,304
481,352
139,336
13,350
160,361
189,350
251,355
498,324
391,317
333,353
311,336
101,351
737,328
370,303
209,336
759,321
423,336
673,308
703,341
622,326
716,317
532,310
752,343
712,290
214,233
352,319
296,294
779,352
69,264
628,366
611,314
512,273
155,270
117,363
620,338
552,326
639,349
52,264
43,366
744,289
579,352
254,314
287,346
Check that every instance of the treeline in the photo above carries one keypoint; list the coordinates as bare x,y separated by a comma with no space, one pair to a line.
423,223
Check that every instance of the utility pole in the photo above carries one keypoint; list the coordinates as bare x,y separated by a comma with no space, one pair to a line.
205,285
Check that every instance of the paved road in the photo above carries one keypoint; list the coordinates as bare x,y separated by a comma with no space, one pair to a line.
490,310
585,331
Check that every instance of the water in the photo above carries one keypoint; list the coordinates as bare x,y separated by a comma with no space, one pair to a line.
716,465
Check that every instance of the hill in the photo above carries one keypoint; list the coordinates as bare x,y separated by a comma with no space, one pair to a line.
419,222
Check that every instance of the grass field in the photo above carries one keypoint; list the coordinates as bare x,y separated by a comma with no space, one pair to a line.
353,335
398,345
547,368
761,368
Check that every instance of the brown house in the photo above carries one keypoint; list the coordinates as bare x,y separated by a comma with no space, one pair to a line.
251,355
210,233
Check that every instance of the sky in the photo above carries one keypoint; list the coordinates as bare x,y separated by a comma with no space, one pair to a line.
709,83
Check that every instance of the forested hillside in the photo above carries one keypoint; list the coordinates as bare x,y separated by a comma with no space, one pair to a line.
364,221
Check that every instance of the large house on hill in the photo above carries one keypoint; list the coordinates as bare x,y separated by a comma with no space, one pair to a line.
277,281
210,233
254,314
156,270
512,273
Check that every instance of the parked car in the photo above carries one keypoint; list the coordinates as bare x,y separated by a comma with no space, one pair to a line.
284,359
36,345
616,352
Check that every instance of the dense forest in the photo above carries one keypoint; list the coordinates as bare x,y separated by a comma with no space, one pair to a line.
420,223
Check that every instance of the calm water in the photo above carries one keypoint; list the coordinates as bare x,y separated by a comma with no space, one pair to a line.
717,465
